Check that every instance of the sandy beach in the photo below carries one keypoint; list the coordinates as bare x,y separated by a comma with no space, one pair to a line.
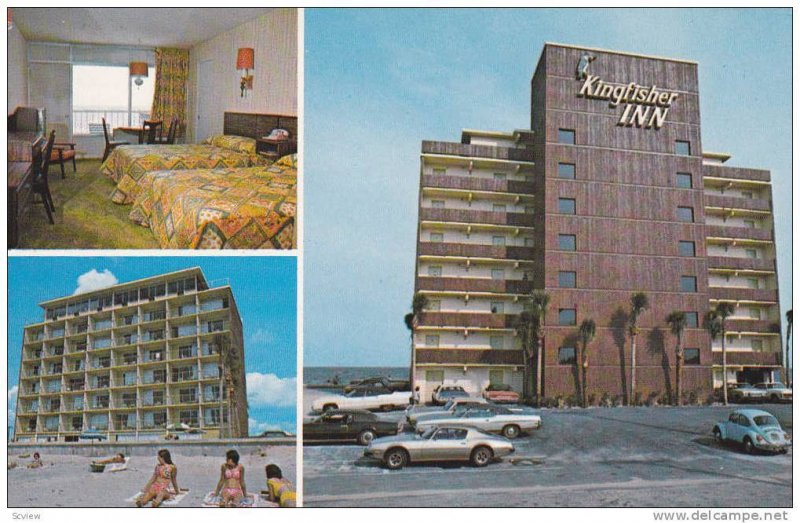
65,480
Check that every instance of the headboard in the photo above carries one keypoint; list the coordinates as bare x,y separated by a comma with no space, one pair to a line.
258,125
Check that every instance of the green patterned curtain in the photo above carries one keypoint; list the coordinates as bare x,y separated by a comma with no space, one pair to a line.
172,76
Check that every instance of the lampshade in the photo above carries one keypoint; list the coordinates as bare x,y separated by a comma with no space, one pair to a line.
245,58
138,69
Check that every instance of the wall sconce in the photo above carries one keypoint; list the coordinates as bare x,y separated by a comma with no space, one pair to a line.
245,60
138,70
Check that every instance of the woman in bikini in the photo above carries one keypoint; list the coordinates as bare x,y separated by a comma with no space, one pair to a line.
119,458
231,481
281,490
157,489
37,461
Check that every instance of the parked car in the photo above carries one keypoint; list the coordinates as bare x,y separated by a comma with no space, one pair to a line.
754,429
500,394
92,434
276,434
445,443
414,413
457,408
776,391
380,382
419,409
498,419
442,393
358,426
744,392
363,399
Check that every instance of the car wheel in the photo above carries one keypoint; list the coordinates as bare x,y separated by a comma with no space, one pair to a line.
481,456
395,459
329,406
511,431
365,437
748,446
774,398
717,435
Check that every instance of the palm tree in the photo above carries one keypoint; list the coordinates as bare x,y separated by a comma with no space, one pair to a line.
587,331
715,324
524,329
418,304
788,339
230,367
530,328
540,300
639,304
677,322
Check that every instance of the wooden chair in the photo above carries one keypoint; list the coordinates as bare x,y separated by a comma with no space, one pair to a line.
151,131
110,145
63,152
41,165
170,138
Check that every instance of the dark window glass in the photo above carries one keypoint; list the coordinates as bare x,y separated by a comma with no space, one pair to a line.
566,242
566,136
566,205
684,180
567,279
691,320
567,317
682,148
691,356
686,248
566,356
686,214
566,171
688,284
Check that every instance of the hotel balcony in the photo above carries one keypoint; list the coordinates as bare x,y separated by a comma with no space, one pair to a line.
467,320
748,358
738,233
477,151
737,203
761,326
470,357
430,283
726,173
741,264
465,250
476,184
743,294
478,217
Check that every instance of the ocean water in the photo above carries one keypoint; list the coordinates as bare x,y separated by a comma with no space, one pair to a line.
321,375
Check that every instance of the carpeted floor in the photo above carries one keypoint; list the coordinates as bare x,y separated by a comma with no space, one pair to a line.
85,216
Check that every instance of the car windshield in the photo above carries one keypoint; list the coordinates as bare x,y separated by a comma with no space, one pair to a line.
428,433
777,386
448,405
766,421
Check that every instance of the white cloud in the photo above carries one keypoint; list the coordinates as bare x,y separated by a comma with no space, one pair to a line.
12,403
94,280
268,390
261,336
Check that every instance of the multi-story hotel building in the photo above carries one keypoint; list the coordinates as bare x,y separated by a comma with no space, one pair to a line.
133,361
608,194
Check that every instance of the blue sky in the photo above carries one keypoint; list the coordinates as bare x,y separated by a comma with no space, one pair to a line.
265,289
377,82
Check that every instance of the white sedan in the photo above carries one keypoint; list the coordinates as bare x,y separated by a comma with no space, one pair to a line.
364,399
508,423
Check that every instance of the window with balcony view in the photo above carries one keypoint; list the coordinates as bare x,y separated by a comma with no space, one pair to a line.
100,91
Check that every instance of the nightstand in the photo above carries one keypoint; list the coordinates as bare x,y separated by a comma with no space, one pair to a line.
274,149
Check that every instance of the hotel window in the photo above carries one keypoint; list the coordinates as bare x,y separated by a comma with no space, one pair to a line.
437,204
747,194
498,274
566,136
437,237
757,345
438,171
435,271
752,283
691,320
691,356
434,376
497,307
500,176
566,171
567,279
496,342
686,248
498,241
751,253
750,224
497,377
682,148
566,242
528,241
566,205
107,91
499,207
686,214
684,180
431,340
566,356
567,317
433,305
754,313
688,284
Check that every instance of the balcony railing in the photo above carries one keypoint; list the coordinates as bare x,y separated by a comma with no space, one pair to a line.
81,120
772,359
460,319
469,356
477,151
745,233
480,217
736,325
741,294
476,184
429,283
475,251
735,202
754,264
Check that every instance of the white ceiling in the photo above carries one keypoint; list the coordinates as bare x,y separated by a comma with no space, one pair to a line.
146,26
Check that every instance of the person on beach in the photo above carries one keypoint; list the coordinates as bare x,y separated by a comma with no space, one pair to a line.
231,481
37,461
415,397
157,489
119,458
281,490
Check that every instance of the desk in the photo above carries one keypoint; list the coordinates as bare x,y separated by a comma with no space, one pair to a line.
20,186
136,131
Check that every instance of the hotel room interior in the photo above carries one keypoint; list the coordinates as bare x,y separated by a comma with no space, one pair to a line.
152,128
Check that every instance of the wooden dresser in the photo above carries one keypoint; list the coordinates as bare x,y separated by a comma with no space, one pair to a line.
25,143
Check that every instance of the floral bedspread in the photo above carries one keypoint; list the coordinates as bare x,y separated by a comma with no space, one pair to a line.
238,208
128,164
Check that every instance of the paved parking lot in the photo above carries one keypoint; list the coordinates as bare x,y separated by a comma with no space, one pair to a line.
621,457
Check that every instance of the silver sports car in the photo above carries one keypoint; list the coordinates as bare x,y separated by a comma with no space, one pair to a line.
495,419
439,444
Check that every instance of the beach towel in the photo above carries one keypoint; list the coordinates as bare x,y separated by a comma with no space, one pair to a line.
172,502
119,467
212,501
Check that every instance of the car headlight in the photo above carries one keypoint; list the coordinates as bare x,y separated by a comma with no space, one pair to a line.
759,438
785,436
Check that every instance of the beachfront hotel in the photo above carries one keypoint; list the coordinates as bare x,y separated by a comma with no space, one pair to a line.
609,193
135,361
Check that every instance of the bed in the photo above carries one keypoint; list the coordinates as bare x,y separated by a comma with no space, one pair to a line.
127,165
229,208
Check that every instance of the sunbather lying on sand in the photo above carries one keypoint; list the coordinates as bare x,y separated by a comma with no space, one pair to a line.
37,461
281,490
119,458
